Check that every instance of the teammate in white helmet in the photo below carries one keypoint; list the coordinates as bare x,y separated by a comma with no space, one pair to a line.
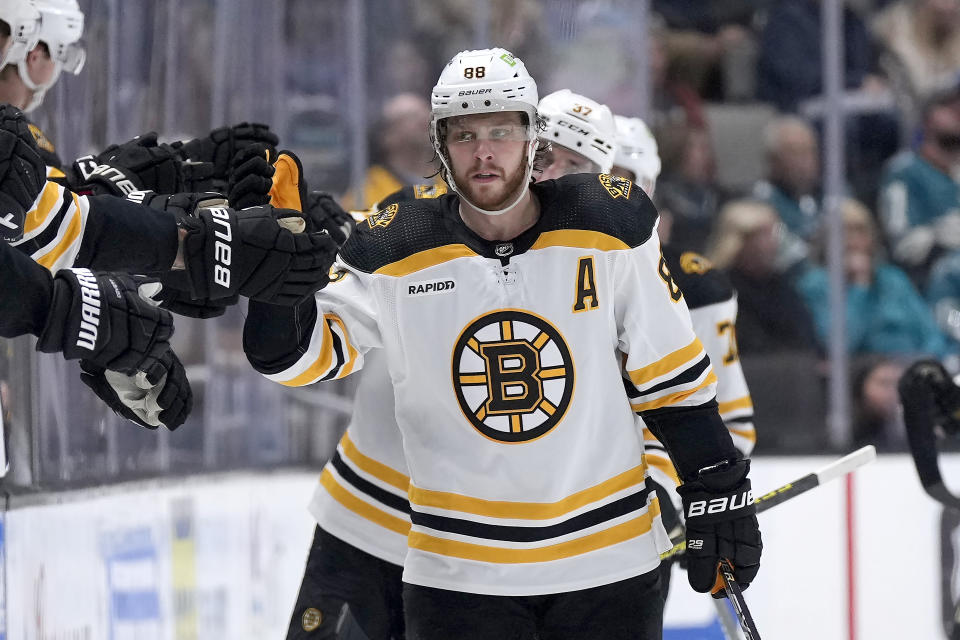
522,327
581,133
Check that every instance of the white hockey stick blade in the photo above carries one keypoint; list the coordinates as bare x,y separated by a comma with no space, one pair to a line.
847,463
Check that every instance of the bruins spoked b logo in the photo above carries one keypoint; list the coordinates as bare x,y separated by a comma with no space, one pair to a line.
513,375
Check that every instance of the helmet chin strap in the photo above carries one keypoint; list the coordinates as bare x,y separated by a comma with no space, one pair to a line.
532,151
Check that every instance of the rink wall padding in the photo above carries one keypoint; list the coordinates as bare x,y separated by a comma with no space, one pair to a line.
222,557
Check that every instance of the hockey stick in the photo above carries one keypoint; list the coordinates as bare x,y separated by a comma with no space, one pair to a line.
832,471
735,596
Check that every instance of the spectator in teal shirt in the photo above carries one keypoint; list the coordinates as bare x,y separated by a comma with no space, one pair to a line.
919,195
885,312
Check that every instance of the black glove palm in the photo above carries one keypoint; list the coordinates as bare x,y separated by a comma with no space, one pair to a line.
721,521
168,402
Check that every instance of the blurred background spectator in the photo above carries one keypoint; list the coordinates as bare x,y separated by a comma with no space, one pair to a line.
920,198
688,193
400,149
792,185
771,317
885,313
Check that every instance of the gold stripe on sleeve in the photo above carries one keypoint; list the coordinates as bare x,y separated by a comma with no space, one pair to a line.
666,364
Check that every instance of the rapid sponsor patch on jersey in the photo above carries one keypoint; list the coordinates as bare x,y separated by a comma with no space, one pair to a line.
616,186
431,287
383,217
428,191
692,262
513,375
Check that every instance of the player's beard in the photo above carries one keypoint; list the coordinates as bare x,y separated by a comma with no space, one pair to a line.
490,199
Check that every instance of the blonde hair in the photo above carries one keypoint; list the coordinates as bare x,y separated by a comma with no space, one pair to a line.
736,221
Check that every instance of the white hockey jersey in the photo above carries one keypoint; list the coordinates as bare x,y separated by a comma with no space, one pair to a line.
53,228
507,362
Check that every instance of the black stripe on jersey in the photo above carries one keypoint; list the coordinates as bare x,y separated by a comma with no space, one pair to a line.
615,509
741,419
337,349
631,390
49,234
649,445
367,487
687,375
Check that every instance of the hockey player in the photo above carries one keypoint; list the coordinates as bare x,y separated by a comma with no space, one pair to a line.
508,315
39,39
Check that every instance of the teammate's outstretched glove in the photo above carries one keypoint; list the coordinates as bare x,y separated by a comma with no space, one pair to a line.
721,520
108,319
261,253
22,172
220,147
135,165
251,177
167,402
324,212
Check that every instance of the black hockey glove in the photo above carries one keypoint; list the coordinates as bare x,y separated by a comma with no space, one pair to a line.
220,147
260,253
135,165
166,402
22,172
721,520
251,177
324,213
109,320
175,295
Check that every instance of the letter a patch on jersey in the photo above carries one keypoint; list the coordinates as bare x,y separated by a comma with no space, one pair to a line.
513,375
586,286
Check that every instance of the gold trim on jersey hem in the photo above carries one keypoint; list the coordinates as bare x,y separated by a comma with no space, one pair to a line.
668,363
377,469
527,510
746,402
484,553
674,398
50,258
323,363
579,239
425,259
362,508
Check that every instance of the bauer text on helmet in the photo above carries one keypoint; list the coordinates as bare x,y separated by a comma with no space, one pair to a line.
581,125
491,100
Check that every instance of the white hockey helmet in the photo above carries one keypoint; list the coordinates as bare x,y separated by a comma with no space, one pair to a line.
581,125
56,23
484,81
637,151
